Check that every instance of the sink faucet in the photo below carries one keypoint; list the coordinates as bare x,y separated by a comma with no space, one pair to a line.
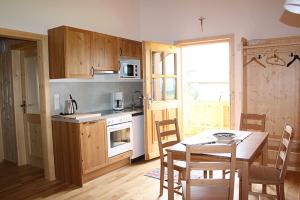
137,99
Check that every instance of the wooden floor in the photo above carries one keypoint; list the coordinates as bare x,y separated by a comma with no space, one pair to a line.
127,183
27,182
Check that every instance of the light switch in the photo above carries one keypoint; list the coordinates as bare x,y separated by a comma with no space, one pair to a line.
56,101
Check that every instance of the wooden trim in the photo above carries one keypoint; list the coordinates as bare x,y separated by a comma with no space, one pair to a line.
232,86
20,35
204,40
214,39
42,48
244,76
45,110
272,45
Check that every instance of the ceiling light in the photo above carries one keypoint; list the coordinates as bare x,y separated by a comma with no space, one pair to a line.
292,6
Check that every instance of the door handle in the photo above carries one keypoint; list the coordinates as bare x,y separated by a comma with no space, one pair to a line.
23,105
148,103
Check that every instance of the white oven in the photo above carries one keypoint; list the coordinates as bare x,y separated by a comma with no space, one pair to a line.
119,134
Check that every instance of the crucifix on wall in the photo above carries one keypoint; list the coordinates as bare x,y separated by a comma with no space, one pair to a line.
201,19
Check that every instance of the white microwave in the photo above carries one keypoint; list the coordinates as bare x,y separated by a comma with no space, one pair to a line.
130,69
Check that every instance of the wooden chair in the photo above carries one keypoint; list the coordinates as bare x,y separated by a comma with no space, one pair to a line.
174,138
209,188
274,175
252,122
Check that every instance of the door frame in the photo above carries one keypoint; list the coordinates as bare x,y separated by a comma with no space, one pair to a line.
45,103
215,39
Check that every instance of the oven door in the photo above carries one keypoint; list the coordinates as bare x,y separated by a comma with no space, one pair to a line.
119,138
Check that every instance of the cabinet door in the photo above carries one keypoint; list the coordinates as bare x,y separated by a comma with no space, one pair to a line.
105,52
111,53
130,48
78,53
93,145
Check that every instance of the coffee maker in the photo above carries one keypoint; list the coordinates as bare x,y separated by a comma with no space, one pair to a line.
118,101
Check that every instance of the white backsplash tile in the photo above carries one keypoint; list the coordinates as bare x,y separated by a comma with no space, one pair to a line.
92,96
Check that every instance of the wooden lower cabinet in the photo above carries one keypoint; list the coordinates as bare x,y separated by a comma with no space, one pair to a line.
80,151
93,145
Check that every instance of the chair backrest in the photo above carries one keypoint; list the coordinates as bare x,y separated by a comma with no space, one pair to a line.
214,164
284,150
252,122
164,129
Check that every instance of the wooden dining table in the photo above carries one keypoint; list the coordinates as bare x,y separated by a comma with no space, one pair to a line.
248,149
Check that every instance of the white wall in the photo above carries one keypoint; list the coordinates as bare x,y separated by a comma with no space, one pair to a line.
157,20
172,20
115,17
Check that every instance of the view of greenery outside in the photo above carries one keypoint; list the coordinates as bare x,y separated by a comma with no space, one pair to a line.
205,87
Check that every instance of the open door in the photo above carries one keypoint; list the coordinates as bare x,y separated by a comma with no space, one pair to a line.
162,90
27,104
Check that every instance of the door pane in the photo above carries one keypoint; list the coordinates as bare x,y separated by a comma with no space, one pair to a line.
171,88
157,63
170,64
157,89
32,85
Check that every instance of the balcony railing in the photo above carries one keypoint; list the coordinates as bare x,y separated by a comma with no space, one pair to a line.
203,115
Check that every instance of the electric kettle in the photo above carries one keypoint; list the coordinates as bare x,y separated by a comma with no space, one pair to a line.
70,106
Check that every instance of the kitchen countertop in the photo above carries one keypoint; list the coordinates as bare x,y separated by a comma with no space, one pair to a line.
95,115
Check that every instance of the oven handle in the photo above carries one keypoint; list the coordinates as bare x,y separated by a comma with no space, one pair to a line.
119,126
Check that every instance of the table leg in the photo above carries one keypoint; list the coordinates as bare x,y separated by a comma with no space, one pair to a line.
170,177
265,162
245,180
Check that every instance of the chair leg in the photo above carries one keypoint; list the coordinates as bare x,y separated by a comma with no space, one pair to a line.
179,177
162,179
210,173
281,188
223,174
240,188
278,192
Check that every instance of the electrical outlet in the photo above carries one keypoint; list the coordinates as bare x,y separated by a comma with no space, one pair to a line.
56,101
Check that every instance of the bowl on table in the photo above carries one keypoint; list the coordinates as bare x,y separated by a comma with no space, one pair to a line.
224,136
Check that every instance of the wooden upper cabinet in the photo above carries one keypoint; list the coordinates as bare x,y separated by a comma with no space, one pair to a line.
77,53
70,53
93,145
130,48
105,52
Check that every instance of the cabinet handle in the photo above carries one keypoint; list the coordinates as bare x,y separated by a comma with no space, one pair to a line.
92,71
121,51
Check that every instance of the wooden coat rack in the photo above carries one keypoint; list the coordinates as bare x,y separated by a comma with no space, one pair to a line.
271,87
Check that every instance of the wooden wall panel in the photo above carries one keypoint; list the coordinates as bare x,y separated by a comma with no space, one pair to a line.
274,91
7,108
